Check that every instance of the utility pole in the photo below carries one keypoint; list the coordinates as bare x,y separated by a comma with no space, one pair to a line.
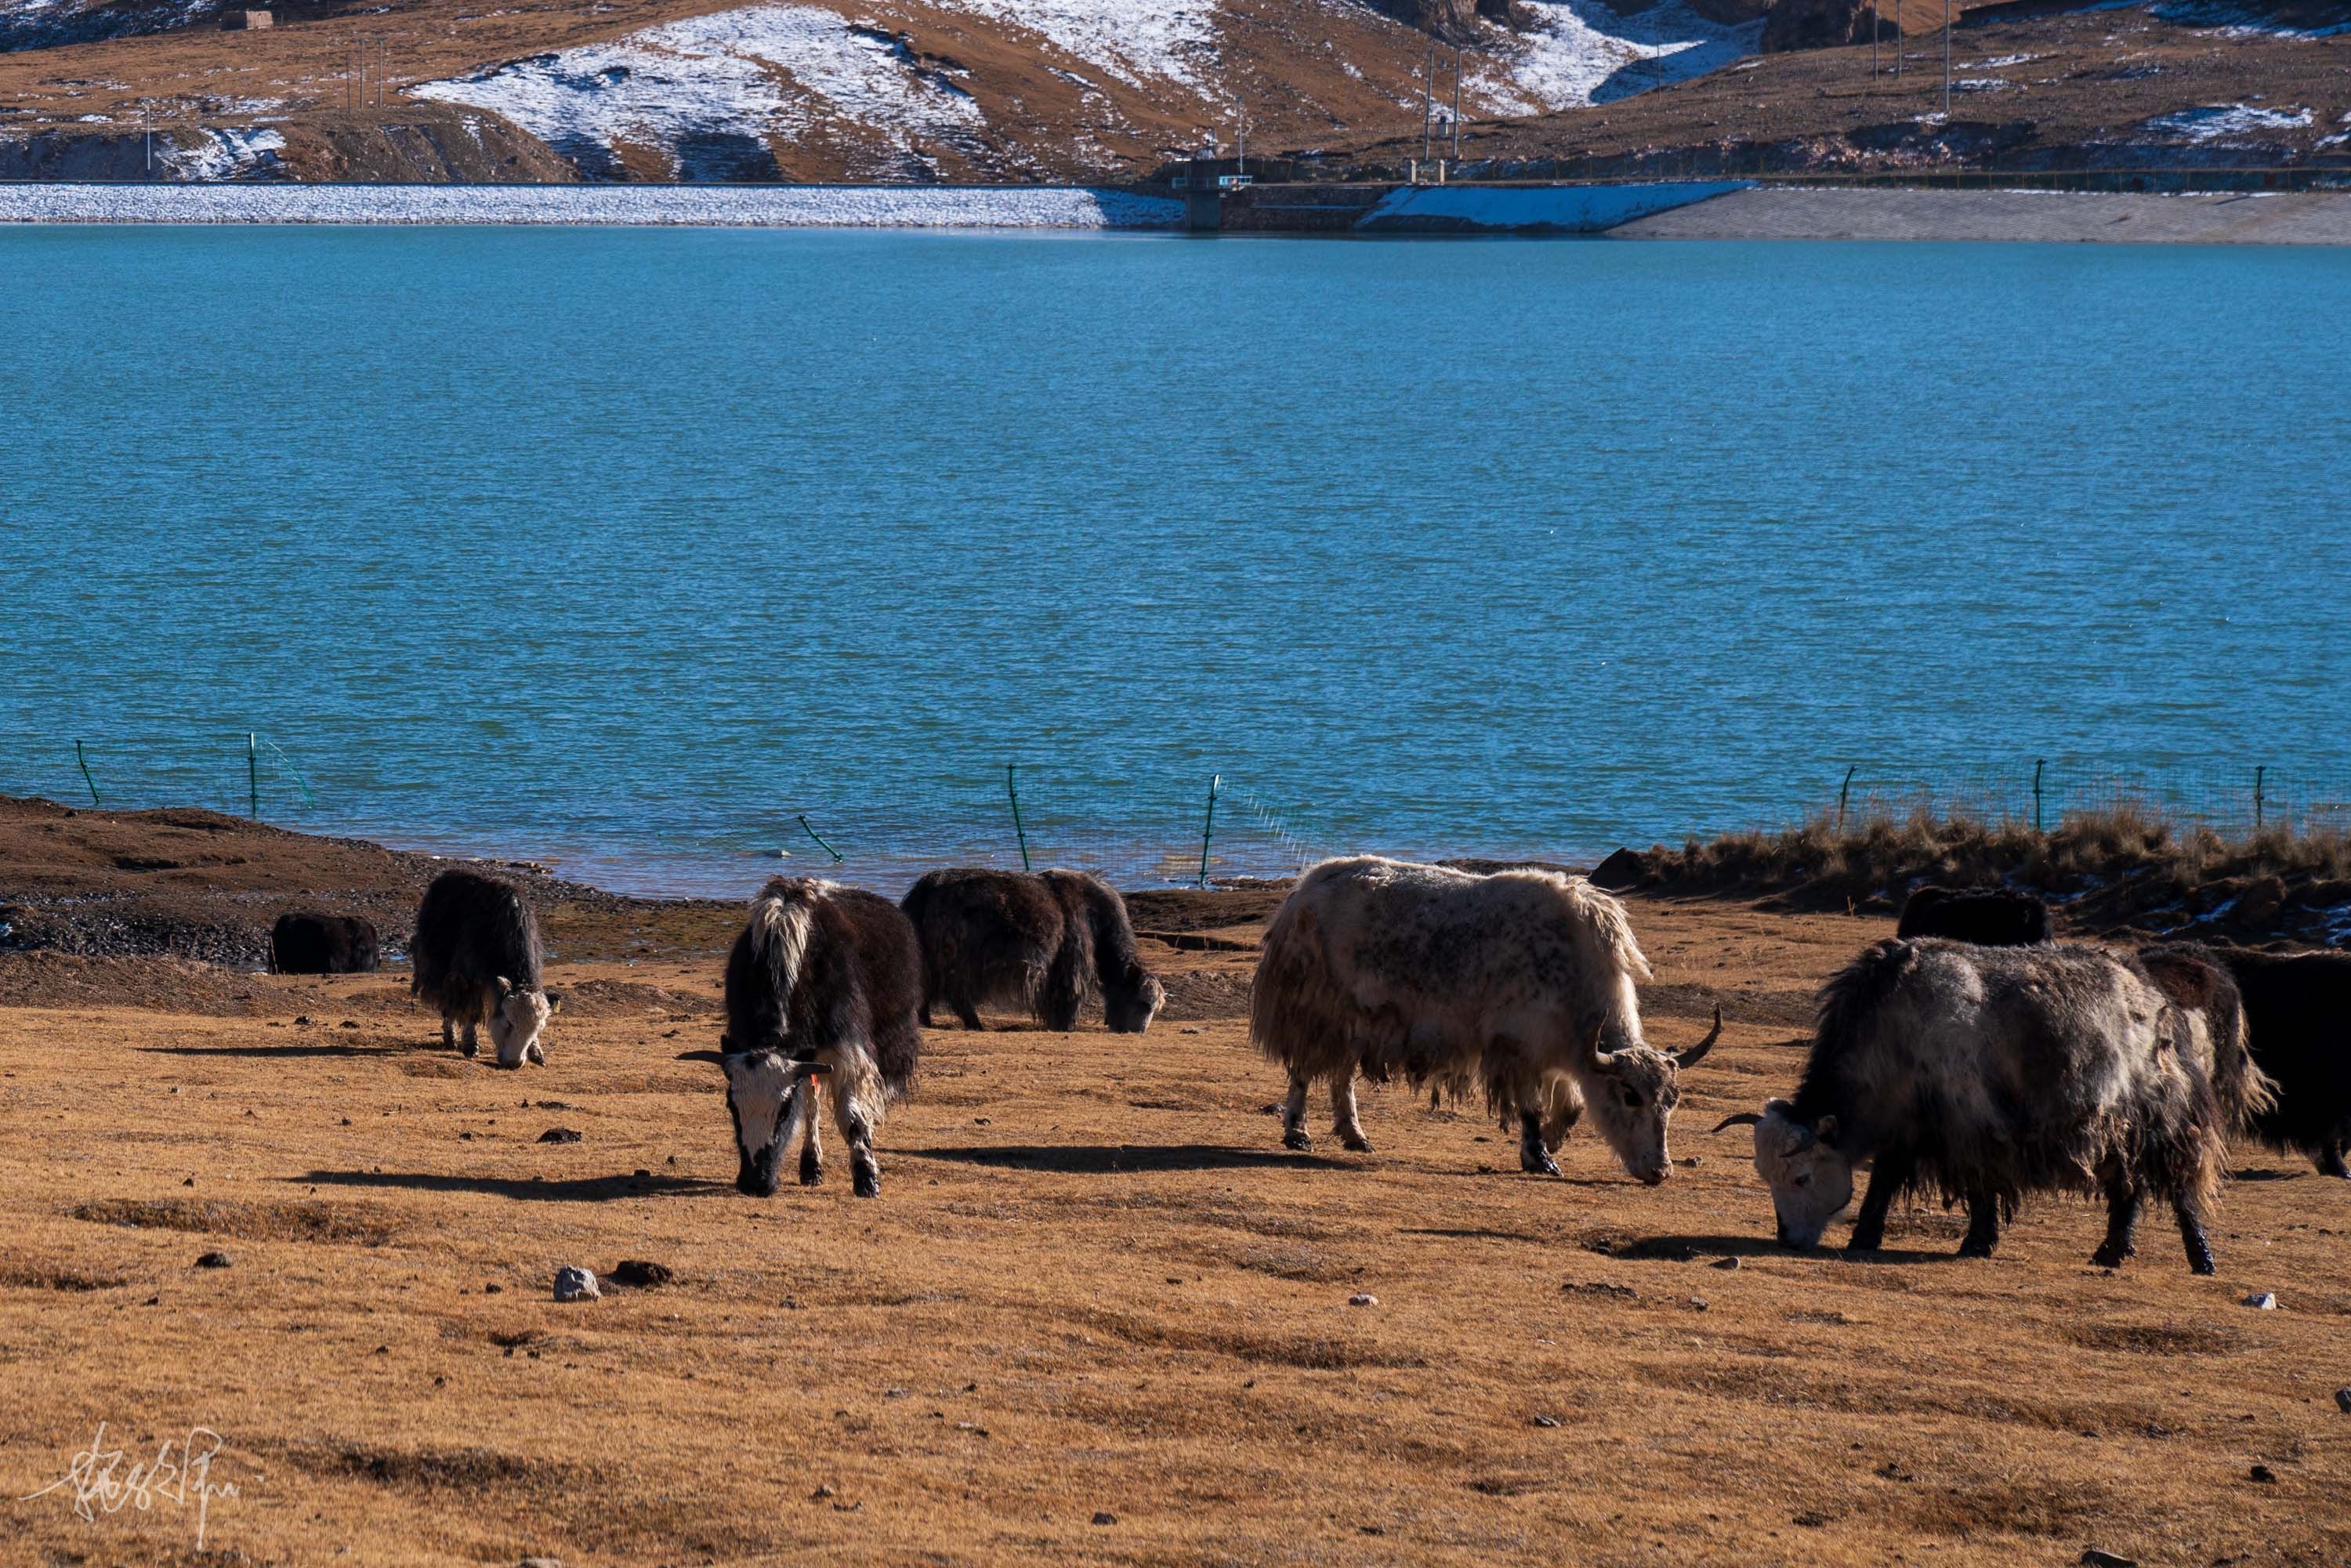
1947,60
1873,43
1456,104
1428,94
1898,42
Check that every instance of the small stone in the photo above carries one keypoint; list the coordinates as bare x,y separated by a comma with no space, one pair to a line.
347,1121
576,1285
213,1260
1189,1029
894,1393
1105,1517
2093,1558
1546,1421
825,1489
1724,1263
560,1135
2343,1400
1692,1161
541,1562
493,1290
190,1182
1698,1303
642,1175
2263,1301
304,1019
2262,1473
1362,1299
638,1272
350,1023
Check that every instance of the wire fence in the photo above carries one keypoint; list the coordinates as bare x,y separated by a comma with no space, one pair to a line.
2233,800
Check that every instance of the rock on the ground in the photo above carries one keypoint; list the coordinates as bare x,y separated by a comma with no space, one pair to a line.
560,1135
2263,1301
637,1271
573,1284
213,1260
1362,1299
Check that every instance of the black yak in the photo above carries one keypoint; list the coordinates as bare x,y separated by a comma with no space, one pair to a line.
323,944
1520,982
477,957
2298,1012
1985,1074
1989,917
821,990
1038,942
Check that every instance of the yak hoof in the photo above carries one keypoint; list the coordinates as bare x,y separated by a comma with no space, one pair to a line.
2110,1256
1355,1143
2334,1167
1537,1162
1976,1247
865,1181
469,1050
811,1170
1296,1138
1871,1241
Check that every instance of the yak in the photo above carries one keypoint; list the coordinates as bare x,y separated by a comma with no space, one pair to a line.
324,945
822,989
477,957
1989,917
2298,1012
1520,982
1036,942
1985,1074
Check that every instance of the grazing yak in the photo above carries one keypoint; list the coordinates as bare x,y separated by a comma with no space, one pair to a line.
1521,981
476,955
2298,1012
1989,917
821,990
324,945
1984,1073
1036,942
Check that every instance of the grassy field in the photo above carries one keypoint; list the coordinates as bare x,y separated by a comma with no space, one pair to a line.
1098,1314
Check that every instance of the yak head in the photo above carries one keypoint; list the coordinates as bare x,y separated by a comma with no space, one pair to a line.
1811,1178
517,1018
762,1089
1632,1092
1129,1006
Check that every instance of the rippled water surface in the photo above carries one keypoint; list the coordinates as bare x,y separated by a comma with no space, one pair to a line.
629,549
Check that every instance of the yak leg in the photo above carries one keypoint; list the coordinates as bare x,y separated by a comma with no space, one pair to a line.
864,1171
1565,1114
966,1012
925,1014
2330,1156
1983,1224
467,1042
1293,1117
448,1032
1889,1175
804,1095
1532,1157
2122,1198
1343,1121
2192,1235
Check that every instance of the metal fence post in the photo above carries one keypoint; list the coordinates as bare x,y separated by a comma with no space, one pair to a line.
85,773
2038,763
1844,792
253,772
1208,827
2258,799
1020,832
811,832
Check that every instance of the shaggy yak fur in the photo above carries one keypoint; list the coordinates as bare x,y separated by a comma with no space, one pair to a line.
1038,942
477,957
1981,1074
1989,917
821,991
323,944
1521,982
2298,1012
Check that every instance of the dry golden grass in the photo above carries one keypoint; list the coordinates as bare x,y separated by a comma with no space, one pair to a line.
1094,1283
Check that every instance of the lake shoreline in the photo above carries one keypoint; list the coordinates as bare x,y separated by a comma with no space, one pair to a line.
1718,210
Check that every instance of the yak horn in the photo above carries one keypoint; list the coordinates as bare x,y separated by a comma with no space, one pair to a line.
1595,1059
702,1056
1739,1119
1691,1056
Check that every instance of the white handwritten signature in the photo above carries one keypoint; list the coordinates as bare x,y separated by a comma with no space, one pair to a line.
99,1479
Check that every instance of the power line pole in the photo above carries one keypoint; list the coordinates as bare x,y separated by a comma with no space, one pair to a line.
1898,42
1456,104
1947,60
1428,105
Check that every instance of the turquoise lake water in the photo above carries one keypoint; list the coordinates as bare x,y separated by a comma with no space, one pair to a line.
627,548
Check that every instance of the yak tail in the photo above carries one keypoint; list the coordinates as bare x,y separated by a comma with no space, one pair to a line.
2242,1091
780,939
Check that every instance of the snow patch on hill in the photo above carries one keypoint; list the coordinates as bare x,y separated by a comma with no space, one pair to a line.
2213,121
716,86
1581,53
1128,39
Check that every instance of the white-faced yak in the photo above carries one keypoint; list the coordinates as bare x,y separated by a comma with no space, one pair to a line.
477,957
1038,942
1521,982
821,990
1981,1074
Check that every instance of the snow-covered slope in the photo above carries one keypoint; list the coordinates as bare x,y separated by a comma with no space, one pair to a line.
920,88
